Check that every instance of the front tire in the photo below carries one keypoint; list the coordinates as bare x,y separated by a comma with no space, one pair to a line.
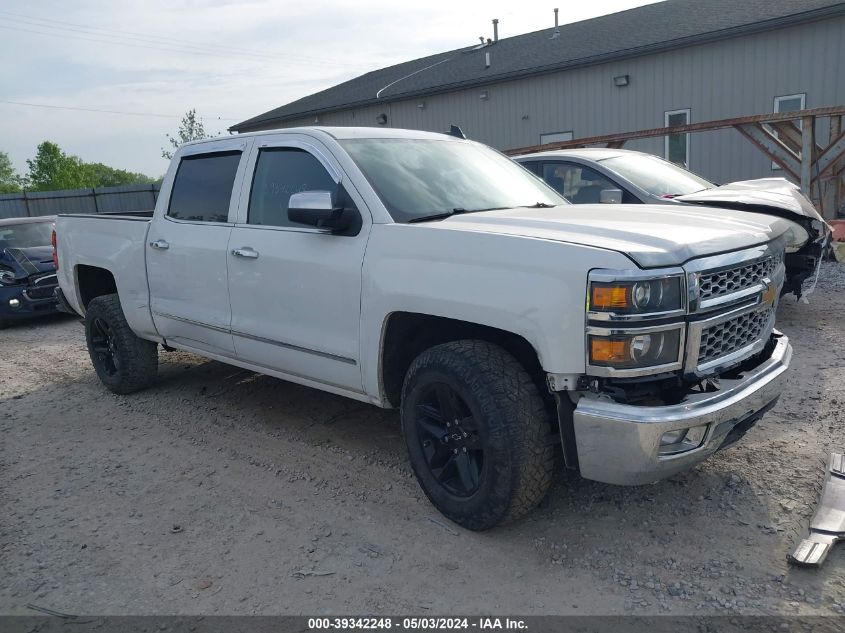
477,433
123,362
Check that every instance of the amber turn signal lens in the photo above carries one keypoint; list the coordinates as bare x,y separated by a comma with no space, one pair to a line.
610,297
605,350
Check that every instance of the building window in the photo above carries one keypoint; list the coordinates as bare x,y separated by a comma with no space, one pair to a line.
676,148
789,103
556,137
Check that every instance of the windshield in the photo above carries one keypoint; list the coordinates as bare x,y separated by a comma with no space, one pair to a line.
656,176
416,178
25,235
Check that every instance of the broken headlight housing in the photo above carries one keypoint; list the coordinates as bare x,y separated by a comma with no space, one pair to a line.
7,277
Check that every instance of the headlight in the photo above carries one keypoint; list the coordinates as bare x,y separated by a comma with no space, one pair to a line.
636,297
7,277
634,350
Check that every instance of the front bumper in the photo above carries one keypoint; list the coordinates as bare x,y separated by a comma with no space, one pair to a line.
803,267
619,443
16,303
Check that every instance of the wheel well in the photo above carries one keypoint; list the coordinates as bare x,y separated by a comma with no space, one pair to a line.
94,282
407,335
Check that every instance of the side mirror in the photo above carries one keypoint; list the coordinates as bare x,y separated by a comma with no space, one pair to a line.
611,196
316,208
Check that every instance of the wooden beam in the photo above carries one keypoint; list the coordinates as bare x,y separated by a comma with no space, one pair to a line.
680,129
772,146
807,146
832,153
788,133
831,198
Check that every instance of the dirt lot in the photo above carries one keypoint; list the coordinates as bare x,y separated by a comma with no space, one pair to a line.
223,491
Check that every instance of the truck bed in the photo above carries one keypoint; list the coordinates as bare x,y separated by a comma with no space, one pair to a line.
142,216
113,242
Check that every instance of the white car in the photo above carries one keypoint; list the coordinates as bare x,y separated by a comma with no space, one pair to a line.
424,272
592,174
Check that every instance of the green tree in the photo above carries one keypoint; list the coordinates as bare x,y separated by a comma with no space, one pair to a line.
52,169
191,129
106,176
10,182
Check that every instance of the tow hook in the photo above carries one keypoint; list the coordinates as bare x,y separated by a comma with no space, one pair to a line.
828,523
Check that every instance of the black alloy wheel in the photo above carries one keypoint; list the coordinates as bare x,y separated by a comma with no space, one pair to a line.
450,439
478,433
123,361
104,347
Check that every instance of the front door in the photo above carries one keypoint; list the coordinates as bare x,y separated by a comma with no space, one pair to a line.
186,249
296,291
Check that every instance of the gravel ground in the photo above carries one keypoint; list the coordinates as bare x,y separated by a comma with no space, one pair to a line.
222,491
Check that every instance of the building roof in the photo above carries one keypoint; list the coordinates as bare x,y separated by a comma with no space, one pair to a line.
647,29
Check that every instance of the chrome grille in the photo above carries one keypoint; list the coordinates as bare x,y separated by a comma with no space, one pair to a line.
738,278
724,338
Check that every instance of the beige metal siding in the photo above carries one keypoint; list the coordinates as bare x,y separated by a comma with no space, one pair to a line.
730,78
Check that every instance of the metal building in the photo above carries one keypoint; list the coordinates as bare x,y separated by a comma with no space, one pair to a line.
670,63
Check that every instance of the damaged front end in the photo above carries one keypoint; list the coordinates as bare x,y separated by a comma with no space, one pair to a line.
809,236
680,363
27,283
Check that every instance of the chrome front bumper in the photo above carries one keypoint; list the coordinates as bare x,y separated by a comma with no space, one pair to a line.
619,443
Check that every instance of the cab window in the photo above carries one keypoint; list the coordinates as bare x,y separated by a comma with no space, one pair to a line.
280,173
202,188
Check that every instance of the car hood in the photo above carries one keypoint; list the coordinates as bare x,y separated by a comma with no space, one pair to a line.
774,196
25,262
651,235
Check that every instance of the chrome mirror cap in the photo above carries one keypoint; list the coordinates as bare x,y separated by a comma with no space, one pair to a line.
311,200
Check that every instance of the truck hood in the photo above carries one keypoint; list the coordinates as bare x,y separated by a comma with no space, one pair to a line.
651,235
773,196
24,262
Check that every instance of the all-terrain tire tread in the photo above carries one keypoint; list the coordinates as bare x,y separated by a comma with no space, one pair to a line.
138,357
491,370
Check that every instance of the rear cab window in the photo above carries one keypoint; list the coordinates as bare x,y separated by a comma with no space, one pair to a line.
202,188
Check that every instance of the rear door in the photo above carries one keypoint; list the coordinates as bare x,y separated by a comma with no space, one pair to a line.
186,246
296,290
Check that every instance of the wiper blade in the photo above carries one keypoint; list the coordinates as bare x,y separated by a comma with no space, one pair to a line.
456,211
539,205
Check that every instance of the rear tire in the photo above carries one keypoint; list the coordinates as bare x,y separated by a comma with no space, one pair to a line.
123,362
477,432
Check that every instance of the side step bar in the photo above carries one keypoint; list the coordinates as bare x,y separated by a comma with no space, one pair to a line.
828,523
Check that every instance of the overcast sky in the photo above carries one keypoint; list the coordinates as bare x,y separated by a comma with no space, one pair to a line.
229,60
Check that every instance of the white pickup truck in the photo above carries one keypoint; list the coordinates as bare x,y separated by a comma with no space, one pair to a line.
430,273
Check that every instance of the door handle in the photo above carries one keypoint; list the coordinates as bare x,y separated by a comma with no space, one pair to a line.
245,252
160,245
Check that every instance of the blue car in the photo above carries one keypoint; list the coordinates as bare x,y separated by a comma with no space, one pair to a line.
27,270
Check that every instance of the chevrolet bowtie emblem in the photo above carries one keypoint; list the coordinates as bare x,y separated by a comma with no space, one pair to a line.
770,293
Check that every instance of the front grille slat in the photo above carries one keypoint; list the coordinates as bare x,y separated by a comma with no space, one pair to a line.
718,283
40,292
734,334
42,287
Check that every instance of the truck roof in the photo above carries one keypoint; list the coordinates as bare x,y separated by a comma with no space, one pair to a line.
342,133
